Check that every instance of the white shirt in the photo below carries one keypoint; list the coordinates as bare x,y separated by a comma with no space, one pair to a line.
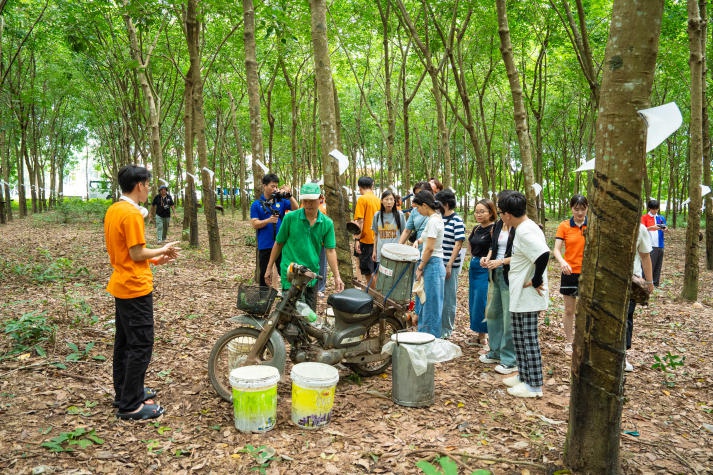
643,244
434,229
529,244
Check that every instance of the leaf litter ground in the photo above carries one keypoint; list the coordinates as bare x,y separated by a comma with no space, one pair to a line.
60,271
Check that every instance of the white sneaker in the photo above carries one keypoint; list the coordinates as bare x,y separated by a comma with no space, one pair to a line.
523,390
512,381
628,366
505,369
485,359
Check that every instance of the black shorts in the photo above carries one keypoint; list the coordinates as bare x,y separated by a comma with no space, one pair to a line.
366,264
570,285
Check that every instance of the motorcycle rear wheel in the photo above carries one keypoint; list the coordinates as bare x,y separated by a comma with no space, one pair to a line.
230,352
391,326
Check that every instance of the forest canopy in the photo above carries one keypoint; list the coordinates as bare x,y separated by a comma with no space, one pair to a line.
406,74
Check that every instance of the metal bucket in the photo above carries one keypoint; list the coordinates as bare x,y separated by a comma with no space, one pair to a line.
396,271
408,388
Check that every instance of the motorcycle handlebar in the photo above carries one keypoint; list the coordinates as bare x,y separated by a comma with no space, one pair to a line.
299,269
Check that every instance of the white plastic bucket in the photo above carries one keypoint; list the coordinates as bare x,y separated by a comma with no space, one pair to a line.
237,353
254,397
313,386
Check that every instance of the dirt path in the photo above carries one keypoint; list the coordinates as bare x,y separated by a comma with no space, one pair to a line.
59,272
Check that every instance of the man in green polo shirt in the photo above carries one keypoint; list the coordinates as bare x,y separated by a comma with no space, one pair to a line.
300,239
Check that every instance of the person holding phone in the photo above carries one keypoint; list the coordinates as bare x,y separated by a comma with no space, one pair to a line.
656,226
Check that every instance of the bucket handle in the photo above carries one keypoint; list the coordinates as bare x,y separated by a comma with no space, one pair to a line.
393,287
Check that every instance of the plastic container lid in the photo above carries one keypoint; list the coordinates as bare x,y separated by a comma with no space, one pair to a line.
400,252
256,376
412,338
314,374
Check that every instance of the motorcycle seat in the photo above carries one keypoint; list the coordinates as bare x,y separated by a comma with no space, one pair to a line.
352,301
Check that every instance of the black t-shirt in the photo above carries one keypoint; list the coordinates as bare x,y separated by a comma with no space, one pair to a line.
480,239
163,205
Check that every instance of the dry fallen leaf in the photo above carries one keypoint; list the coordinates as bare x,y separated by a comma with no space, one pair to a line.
368,432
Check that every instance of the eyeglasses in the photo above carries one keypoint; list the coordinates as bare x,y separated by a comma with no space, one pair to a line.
480,211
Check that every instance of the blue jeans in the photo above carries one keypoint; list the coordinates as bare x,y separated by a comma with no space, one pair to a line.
162,227
429,316
477,295
499,320
449,302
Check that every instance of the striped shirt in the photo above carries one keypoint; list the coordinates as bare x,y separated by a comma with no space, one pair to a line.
454,230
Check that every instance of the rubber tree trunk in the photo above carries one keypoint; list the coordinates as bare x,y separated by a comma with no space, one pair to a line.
597,382
434,70
706,141
193,28
153,108
244,198
253,83
696,43
520,114
329,138
190,213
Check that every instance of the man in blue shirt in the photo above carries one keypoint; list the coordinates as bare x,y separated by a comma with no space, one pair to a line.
266,215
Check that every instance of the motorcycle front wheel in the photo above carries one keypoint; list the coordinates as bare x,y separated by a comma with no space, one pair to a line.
231,351
372,368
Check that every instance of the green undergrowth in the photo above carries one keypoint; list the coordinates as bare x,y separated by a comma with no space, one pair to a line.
41,267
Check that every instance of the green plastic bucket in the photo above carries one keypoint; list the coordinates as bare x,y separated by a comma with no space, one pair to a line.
254,397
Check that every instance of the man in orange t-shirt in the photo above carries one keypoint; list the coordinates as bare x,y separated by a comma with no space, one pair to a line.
131,284
366,207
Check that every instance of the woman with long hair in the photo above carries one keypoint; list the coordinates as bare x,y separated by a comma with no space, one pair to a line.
430,267
453,238
388,224
479,242
497,311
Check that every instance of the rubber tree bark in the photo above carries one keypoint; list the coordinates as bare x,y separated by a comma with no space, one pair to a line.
244,198
706,141
433,68
696,43
193,27
597,382
253,83
336,205
153,107
519,111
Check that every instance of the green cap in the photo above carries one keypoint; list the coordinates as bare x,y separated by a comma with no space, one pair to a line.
310,191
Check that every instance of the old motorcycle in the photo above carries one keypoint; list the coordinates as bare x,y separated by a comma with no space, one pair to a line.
362,323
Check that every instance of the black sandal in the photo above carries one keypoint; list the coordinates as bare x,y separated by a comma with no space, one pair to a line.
148,394
147,411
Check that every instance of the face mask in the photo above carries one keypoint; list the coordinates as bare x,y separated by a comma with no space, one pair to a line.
144,212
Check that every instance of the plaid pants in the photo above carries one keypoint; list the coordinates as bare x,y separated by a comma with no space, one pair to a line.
527,347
